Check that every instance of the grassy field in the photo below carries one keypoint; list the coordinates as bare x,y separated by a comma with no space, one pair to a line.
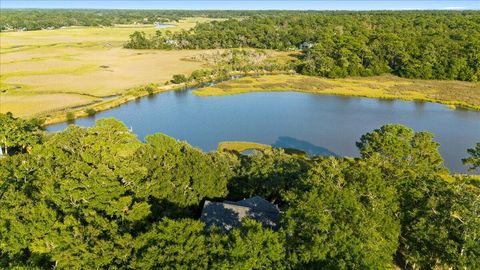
240,146
452,93
50,70
83,36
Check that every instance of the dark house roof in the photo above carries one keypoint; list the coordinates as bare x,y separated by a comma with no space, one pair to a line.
227,215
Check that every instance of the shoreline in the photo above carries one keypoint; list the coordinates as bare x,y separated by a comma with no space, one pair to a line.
284,87
104,105
211,88
451,105
56,117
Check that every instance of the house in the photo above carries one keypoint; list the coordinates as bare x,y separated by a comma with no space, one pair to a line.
227,215
172,42
306,45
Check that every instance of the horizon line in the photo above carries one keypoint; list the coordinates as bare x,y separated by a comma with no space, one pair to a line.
181,9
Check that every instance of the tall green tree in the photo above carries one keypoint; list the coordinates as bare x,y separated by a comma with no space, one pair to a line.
138,40
77,187
24,216
88,176
474,159
400,152
440,224
269,174
18,135
342,217
180,174
247,247
172,244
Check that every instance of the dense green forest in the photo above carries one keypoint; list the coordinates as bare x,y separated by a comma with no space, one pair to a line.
91,198
413,44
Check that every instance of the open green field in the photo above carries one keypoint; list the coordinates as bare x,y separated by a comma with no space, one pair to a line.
452,93
50,70
240,146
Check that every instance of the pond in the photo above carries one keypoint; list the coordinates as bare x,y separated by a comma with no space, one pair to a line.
317,124
161,25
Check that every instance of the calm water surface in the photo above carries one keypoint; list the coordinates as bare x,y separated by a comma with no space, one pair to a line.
318,124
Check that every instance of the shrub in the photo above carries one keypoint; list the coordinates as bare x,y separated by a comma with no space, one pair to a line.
70,116
179,78
200,75
150,88
90,111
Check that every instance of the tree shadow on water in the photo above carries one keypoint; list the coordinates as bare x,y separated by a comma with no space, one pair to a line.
309,148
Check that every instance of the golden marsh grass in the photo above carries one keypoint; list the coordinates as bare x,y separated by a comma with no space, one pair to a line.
70,66
453,93
240,146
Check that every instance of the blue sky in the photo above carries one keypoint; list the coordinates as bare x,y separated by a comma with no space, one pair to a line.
248,4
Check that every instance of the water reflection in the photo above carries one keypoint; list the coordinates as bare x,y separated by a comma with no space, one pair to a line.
309,148
419,105
317,124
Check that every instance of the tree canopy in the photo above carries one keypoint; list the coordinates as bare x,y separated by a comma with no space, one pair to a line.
411,44
474,159
18,135
88,198
400,151
342,216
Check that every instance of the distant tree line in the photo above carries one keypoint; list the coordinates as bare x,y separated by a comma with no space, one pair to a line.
411,44
36,19
225,64
97,198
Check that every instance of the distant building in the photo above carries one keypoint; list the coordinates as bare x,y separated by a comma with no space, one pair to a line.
160,25
227,215
172,42
306,45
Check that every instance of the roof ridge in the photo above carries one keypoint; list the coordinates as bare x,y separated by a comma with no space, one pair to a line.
246,207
